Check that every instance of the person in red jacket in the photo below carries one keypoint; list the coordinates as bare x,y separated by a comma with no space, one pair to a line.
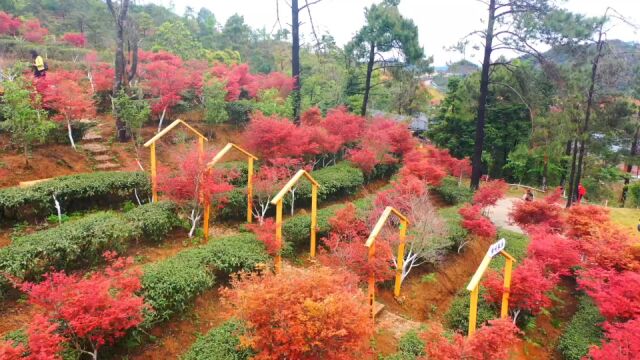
581,192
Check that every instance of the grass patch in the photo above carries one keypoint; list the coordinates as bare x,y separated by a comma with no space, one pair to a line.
627,218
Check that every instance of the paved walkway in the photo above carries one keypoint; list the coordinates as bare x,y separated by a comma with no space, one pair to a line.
499,214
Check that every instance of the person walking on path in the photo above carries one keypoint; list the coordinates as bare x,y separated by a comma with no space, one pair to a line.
39,67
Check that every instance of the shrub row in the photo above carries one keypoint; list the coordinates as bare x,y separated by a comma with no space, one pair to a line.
81,243
170,286
220,343
73,192
410,347
451,193
335,182
582,332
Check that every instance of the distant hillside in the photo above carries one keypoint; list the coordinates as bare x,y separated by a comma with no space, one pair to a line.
439,79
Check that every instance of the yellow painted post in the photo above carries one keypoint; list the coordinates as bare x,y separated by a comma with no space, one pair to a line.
207,213
201,145
504,311
154,180
372,284
314,220
473,310
278,259
249,189
403,235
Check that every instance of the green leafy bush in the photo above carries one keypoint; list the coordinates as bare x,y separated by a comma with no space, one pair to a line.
170,286
410,347
234,253
582,332
456,233
133,113
451,193
457,318
154,220
74,192
220,343
80,243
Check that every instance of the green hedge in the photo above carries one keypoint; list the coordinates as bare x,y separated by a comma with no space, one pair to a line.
451,193
410,347
80,243
170,286
74,192
457,318
582,332
220,343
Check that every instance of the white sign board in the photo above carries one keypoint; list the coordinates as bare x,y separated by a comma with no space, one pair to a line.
496,247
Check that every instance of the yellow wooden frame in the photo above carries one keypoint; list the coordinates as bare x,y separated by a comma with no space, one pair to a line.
277,200
211,164
152,143
404,223
474,288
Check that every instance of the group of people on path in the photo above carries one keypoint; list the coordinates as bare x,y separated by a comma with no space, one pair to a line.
582,191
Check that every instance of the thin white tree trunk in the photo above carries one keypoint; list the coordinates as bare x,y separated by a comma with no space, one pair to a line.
293,199
73,144
58,209
164,111
194,217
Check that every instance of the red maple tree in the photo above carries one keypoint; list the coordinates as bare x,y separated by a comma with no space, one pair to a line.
75,39
363,158
490,192
617,294
195,183
32,31
622,341
9,24
582,220
266,233
421,164
544,212
314,313
491,342
475,222
344,247
272,137
340,122
558,253
529,288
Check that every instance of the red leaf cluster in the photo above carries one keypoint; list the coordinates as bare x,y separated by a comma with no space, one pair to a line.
490,342
345,247
490,192
65,93
239,81
424,166
9,25
400,196
75,39
617,294
558,253
582,220
164,78
623,341
476,223
538,212
32,31
315,313
266,233
529,287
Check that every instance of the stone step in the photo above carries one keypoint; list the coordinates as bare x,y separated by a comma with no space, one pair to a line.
377,308
95,148
107,166
104,157
91,136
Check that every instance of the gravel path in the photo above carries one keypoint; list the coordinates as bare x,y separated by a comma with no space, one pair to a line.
499,214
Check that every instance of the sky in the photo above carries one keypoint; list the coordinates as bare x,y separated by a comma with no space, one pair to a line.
441,23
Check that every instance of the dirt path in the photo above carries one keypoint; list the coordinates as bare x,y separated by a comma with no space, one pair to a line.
499,214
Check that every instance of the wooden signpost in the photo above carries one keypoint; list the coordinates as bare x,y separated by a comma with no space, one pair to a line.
277,201
404,222
474,285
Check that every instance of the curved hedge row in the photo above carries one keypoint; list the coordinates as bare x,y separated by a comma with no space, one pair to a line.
335,182
170,285
582,332
81,243
220,343
74,192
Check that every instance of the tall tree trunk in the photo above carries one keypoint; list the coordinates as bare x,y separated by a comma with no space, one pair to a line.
587,113
565,164
295,60
574,152
367,81
120,19
476,162
632,152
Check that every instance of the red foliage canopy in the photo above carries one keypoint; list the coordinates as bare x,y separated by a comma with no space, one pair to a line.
529,287
75,39
543,212
622,341
32,31
364,158
490,342
64,93
607,246
345,247
315,313
9,25
397,134
266,233
340,122
616,294
583,219
421,164
164,78
490,192
272,137
476,223
311,117
556,252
